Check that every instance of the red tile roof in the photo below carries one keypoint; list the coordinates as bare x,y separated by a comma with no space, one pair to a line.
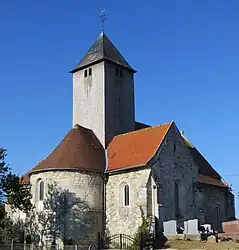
135,148
25,179
80,149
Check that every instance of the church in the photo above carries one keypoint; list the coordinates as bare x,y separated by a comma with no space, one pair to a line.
114,170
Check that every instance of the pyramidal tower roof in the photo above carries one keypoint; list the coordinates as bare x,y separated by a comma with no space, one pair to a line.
102,49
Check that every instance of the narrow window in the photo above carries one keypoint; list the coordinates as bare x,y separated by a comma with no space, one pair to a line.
90,71
217,212
126,195
121,72
41,190
85,73
117,71
174,147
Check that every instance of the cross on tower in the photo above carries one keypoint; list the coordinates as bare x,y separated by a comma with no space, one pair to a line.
102,19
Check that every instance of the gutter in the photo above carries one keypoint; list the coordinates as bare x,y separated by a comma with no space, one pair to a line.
126,168
76,169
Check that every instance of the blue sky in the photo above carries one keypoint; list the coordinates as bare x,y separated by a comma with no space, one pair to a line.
186,53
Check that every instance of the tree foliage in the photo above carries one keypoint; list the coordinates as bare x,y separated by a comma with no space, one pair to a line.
13,193
64,215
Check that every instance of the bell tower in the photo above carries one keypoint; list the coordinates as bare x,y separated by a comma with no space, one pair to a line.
103,91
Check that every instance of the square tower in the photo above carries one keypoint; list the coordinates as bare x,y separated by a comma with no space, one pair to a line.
103,91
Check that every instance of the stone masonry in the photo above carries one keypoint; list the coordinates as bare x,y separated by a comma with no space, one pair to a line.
172,164
177,175
84,203
126,219
104,100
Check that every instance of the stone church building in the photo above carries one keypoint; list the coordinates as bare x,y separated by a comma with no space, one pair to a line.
120,169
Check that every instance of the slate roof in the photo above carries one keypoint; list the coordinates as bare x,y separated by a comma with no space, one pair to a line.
204,166
135,148
80,149
102,49
211,181
140,125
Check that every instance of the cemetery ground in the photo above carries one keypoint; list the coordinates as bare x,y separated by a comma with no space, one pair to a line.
191,244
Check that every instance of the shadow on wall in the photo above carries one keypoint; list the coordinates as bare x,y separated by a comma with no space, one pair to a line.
64,217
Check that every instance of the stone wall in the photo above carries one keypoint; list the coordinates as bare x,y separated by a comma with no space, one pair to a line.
119,101
231,227
171,166
215,205
88,100
72,205
121,218
177,175
104,100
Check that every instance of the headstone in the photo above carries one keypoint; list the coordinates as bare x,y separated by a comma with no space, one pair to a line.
170,227
212,238
191,227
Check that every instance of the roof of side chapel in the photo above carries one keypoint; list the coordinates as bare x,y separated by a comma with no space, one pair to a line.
135,148
102,49
75,151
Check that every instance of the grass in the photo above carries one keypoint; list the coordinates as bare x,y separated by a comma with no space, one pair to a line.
181,244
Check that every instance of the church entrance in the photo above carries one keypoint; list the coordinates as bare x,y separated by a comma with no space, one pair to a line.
119,241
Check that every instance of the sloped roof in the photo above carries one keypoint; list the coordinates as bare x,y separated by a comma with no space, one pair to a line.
102,49
25,179
204,166
140,125
211,181
135,148
80,149
207,174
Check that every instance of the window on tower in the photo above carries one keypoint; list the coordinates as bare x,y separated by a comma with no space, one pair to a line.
90,71
117,71
85,73
121,72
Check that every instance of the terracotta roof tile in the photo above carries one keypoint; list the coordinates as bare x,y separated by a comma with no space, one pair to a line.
135,148
80,149
25,179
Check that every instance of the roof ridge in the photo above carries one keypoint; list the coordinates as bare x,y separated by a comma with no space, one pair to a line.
170,124
187,140
144,129
102,49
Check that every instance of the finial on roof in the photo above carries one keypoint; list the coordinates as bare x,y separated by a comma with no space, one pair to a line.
182,132
102,20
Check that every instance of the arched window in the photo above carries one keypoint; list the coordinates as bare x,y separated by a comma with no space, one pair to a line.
126,195
41,190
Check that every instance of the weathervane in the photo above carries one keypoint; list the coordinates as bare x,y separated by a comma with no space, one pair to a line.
102,19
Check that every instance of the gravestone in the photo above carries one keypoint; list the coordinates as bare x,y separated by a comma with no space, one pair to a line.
191,227
212,238
170,227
